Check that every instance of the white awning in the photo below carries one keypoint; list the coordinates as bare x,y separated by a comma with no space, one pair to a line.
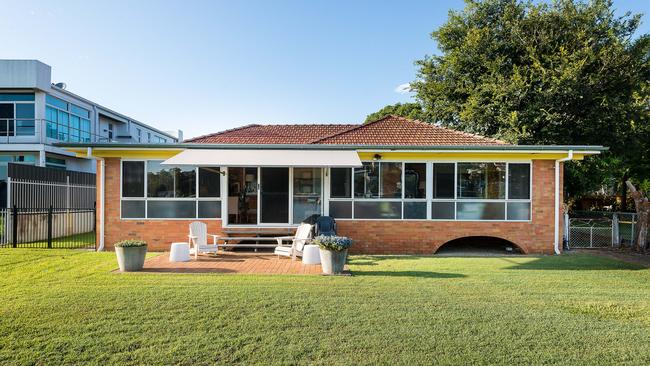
277,158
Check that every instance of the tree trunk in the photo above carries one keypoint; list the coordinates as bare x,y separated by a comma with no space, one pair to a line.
643,215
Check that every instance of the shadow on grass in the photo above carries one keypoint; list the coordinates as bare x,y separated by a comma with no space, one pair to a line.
573,263
415,274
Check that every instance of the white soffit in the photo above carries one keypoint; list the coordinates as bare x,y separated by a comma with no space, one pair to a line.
277,158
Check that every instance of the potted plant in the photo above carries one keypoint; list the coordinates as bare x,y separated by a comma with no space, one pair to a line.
333,252
130,254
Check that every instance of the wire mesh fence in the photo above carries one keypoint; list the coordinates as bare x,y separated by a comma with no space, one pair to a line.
593,229
72,228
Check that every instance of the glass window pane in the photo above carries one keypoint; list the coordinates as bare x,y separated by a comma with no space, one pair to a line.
171,209
25,110
443,210
85,125
377,210
415,180
63,126
341,209
366,181
25,127
133,179
242,196
443,180
16,97
518,210
415,210
6,110
519,181
209,182
481,211
482,180
56,102
341,182
79,111
132,209
391,180
307,185
170,181
209,209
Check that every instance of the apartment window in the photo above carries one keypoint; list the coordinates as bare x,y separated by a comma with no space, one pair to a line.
110,132
66,121
139,134
149,137
155,191
17,114
56,163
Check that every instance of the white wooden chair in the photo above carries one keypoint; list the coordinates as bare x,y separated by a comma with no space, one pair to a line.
298,241
199,238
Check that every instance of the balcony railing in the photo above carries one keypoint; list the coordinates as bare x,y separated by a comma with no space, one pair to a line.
31,130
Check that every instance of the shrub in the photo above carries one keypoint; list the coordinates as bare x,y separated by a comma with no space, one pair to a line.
130,243
335,243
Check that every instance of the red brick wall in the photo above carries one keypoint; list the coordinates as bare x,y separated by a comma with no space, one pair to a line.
370,236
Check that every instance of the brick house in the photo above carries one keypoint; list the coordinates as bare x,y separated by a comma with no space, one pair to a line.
395,186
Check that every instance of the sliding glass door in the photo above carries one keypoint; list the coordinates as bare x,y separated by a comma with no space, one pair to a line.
307,193
242,196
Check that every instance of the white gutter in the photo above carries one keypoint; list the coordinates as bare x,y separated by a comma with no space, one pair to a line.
556,242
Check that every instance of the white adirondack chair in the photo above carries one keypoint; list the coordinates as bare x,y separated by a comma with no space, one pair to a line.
199,239
298,241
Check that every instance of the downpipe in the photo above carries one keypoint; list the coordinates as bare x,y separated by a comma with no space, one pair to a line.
556,241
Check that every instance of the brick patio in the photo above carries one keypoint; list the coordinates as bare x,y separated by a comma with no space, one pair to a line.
229,262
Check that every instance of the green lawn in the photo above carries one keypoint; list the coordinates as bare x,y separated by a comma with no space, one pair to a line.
66,307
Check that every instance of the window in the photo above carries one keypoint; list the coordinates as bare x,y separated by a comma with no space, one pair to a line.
133,179
17,114
170,181
56,163
66,121
149,137
171,191
474,191
110,132
341,183
482,180
139,134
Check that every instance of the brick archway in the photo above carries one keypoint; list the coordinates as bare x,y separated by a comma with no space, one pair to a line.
480,242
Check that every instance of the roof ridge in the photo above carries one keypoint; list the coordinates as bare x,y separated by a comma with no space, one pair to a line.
351,129
450,129
222,132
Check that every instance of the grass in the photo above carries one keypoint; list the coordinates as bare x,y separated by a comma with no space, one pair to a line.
66,307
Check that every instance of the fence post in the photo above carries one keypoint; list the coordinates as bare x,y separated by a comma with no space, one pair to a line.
14,227
616,239
49,227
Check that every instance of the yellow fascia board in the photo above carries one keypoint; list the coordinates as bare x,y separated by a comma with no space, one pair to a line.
467,156
131,153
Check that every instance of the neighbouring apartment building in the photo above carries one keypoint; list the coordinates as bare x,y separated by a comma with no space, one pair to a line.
35,114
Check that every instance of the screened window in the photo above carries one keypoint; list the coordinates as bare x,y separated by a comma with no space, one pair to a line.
518,181
341,183
209,182
133,179
443,180
482,180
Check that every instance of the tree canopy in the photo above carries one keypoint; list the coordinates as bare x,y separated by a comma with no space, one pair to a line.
565,72
408,110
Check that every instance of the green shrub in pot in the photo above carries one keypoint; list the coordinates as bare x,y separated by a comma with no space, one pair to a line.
333,252
130,254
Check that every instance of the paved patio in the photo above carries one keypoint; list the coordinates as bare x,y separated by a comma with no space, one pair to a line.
230,262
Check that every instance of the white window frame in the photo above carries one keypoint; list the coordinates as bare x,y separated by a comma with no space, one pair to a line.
146,199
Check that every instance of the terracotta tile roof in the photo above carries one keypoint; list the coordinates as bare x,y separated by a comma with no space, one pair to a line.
389,130
272,134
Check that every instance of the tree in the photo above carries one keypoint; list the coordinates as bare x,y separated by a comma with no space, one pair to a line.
566,72
408,110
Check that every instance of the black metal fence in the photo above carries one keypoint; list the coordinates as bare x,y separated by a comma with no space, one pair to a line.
70,228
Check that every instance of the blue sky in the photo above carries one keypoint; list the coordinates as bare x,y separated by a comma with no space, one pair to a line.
204,66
